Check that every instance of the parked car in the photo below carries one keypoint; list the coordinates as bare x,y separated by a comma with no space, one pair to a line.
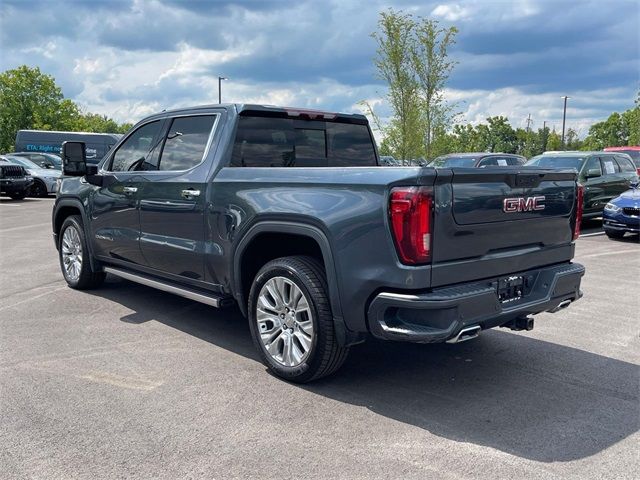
218,204
604,175
632,151
477,160
44,179
44,160
389,161
622,214
14,180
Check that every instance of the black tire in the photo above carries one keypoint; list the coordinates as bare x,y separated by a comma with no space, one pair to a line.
614,234
325,355
39,189
87,278
19,196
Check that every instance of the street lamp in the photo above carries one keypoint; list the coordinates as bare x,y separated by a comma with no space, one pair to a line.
220,88
564,117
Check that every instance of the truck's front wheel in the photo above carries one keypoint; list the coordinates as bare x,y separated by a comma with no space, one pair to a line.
291,322
74,256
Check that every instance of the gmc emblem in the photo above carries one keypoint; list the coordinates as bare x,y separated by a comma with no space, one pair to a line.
528,204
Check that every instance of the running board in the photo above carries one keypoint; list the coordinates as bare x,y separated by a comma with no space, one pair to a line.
212,299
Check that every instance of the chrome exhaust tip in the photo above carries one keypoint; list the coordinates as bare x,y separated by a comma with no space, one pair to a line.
561,306
465,334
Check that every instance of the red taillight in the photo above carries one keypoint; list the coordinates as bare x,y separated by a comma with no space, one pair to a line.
638,171
579,207
410,211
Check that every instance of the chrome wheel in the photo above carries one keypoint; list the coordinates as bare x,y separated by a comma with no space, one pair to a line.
71,249
284,321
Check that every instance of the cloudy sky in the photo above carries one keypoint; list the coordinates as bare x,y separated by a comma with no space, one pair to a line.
127,59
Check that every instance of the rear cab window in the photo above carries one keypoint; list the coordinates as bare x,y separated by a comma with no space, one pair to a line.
268,141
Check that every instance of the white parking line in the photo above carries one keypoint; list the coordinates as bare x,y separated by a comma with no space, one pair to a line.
615,252
595,234
24,227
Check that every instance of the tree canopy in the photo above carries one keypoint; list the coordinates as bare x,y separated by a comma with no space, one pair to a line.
30,99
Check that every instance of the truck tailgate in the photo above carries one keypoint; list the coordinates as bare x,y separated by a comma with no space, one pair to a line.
492,222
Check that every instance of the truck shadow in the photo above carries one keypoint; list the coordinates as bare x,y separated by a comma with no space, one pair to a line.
527,397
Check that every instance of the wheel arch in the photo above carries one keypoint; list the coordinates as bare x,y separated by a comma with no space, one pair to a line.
64,208
307,236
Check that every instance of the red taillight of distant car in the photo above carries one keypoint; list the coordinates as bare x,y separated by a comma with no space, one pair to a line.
410,212
579,208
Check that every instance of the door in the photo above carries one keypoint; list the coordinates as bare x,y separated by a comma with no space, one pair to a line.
115,220
595,195
173,199
616,182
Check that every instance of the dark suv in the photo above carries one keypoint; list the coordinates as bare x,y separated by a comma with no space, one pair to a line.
604,175
478,160
14,180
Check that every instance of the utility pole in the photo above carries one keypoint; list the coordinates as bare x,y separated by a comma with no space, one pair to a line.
564,117
528,123
220,88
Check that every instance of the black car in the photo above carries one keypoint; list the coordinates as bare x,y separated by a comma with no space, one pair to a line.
14,181
477,160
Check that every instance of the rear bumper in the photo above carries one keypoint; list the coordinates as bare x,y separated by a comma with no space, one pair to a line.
440,315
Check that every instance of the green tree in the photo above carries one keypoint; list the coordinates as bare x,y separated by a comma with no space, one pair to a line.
30,99
27,98
402,137
432,65
554,141
412,58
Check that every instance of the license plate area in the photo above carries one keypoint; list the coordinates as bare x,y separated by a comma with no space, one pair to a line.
510,288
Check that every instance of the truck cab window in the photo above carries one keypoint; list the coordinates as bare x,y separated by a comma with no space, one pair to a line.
137,152
186,142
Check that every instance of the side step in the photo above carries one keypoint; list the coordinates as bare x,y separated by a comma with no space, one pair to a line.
218,301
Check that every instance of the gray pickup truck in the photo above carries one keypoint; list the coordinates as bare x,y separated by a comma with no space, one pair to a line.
286,213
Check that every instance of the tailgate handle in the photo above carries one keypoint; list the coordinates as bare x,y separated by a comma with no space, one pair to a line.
528,180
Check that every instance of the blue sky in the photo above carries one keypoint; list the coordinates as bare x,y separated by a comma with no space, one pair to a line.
131,58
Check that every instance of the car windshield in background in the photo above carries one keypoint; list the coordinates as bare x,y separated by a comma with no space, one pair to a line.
445,162
24,162
556,162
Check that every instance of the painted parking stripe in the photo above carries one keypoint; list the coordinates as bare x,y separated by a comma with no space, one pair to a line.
595,234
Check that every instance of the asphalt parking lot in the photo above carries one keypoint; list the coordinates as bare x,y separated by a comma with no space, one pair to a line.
130,382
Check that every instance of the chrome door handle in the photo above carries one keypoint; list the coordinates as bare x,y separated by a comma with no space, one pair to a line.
190,193
129,189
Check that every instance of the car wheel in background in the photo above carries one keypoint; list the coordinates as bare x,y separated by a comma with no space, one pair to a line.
74,256
291,322
38,189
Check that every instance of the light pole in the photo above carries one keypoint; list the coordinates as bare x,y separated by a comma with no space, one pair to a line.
220,88
564,117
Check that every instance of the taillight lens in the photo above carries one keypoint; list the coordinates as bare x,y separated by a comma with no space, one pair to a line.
579,207
410,210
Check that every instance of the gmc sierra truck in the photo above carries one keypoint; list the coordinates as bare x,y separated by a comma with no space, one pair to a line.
287,213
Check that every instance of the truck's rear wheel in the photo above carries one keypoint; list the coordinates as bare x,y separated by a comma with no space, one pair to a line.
291,321
74,256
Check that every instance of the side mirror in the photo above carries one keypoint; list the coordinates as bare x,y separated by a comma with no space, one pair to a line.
74,159
593,172
634,183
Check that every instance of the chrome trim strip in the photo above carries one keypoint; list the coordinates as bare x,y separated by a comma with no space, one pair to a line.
198,297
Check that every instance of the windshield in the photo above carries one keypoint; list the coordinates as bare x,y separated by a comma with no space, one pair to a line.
24,162
441,162
556,162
